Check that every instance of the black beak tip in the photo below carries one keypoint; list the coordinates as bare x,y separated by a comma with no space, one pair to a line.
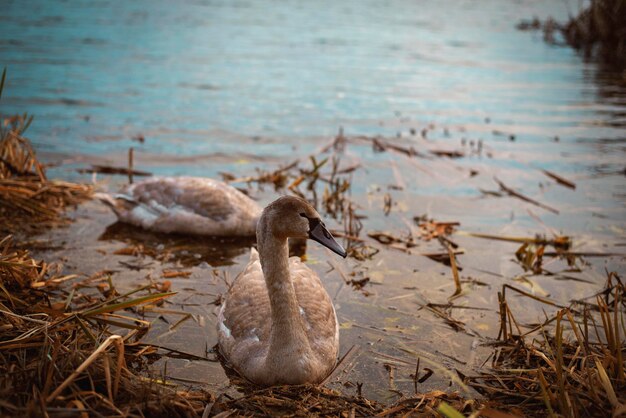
338,249
320,234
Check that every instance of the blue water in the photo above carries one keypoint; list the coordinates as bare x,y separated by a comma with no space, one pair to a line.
198,77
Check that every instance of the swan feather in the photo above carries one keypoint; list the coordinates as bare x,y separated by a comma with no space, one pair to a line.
189,205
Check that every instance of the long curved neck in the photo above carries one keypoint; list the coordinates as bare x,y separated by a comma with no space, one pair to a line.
288,335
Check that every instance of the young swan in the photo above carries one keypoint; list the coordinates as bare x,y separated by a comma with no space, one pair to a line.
185,205
277,324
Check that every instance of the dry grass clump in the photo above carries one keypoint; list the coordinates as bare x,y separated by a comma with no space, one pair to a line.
576,369
318,401
59,356
28,200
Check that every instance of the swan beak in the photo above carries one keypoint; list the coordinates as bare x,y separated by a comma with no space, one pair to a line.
320,234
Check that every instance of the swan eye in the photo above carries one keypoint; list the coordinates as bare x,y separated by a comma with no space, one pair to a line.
313,222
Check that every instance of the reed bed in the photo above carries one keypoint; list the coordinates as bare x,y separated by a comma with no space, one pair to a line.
60,355
571,365
601,26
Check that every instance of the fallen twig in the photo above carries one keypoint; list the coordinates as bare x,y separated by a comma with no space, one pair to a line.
520,196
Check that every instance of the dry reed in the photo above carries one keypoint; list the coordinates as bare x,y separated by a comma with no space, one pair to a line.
58,355
28,199
574,369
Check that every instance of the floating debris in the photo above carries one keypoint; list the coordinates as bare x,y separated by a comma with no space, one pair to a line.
387,204
563,242
397,242
171,274
279,177
448,154
429,228
560,179
107,169
380,145
518,195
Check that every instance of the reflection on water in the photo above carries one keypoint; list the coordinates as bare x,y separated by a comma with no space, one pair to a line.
228,86
187,251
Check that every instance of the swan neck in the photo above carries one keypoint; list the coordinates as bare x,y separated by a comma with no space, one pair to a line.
287,333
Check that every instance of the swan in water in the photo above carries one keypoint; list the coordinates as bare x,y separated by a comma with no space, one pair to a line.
277,324
186,205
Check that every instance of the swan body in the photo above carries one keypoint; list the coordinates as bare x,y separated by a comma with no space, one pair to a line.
277,324
187,205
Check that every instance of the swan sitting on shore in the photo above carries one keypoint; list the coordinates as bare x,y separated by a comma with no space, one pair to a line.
277,324
185,205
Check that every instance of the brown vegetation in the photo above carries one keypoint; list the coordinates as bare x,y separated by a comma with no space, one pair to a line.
599,30
575,369
28,200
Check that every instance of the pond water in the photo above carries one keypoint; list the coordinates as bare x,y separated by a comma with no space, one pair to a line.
231,86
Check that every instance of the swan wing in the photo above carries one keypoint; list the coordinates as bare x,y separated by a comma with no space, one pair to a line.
317,310
203,196
244,317
191,205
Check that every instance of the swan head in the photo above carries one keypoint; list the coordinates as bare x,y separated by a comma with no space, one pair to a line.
293,217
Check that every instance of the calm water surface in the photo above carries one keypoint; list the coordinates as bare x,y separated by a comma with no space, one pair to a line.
218,86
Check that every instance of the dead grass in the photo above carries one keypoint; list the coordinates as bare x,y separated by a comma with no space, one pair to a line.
301,401
28,199
571,365
58,355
